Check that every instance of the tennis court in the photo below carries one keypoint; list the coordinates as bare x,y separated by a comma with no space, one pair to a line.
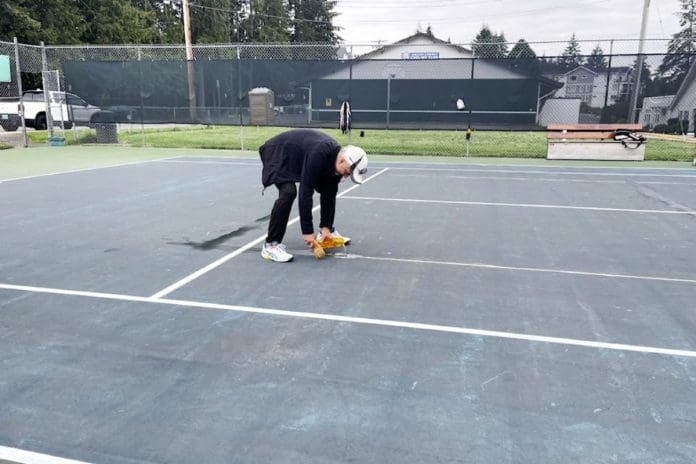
483,313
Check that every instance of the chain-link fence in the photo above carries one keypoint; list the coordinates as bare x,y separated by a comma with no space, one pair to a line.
511,92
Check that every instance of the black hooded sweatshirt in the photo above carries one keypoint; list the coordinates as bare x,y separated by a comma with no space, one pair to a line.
301,155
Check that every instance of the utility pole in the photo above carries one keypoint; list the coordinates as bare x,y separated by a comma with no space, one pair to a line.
251,17
639,63
189,60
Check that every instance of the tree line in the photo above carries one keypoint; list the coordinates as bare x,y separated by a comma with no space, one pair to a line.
665,79
67,22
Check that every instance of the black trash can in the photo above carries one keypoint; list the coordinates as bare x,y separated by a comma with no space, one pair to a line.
105,125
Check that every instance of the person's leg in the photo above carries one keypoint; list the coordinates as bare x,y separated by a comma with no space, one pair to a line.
327,200
287,192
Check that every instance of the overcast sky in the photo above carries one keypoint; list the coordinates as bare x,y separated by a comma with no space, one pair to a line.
368,21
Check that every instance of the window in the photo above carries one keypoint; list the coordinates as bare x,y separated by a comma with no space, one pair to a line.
74,100
573,78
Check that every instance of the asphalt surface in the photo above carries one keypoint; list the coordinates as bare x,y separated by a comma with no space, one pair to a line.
482,314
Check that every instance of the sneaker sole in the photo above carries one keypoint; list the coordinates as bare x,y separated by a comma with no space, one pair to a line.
268,258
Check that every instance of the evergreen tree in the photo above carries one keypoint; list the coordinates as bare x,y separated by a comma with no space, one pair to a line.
597,61
210,21
682,46
271,22
32,21
312,21
521,50
169,22
571,58
489,45
116,22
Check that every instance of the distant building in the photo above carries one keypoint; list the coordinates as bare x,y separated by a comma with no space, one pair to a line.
417,81
590,86
655,111
682,106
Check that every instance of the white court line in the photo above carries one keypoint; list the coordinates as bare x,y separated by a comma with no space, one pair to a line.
549,171
232,162
516,268
543,163
239,251
539,179
89,169
362,320
526,179
523,205
495,168
30,457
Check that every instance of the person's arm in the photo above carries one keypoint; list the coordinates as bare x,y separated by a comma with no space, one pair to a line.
313,168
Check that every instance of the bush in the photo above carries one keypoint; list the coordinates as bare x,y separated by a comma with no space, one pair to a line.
660,129
674,126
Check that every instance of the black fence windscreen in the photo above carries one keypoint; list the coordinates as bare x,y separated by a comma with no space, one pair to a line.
503,93
410,86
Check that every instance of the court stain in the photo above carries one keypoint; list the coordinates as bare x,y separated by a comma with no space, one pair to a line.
217,241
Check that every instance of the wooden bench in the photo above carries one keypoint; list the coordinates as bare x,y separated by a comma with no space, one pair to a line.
592,142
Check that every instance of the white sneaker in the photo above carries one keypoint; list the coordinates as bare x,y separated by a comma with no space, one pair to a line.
346,240
275,252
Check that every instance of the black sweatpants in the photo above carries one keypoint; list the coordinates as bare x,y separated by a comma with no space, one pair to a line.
287,192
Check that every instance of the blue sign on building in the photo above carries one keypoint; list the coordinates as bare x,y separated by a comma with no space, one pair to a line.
421,56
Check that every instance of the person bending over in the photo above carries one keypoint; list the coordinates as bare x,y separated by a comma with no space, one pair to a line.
318,163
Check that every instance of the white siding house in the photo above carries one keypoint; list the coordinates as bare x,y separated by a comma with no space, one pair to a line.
658,110
591,86
655,111
684,104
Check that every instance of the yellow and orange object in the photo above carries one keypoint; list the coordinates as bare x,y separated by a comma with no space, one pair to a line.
326,242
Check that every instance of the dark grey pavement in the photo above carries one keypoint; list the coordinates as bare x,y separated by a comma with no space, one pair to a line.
116,379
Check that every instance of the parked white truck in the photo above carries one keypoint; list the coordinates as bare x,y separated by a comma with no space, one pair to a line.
65,107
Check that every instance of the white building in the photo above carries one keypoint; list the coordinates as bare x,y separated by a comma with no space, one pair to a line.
659,110
655,111
590,86
684,104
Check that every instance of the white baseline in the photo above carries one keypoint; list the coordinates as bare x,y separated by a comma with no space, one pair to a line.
29,457
522,205
364,321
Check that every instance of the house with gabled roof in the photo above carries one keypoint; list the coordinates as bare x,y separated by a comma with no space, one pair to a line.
660,109
590,85
416,81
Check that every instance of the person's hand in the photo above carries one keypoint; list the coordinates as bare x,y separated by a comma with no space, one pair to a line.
326,232
308,239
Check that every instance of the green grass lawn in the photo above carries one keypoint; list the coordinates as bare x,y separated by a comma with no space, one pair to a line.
389,142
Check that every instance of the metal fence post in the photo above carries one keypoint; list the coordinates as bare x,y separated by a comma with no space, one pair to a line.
239,99
47,97
20,91
142,104
389,78
606,91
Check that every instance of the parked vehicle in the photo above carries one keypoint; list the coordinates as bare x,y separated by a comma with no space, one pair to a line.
65,107
10,121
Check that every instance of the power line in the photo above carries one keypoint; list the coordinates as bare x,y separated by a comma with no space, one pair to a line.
467,19
229,10
413,6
